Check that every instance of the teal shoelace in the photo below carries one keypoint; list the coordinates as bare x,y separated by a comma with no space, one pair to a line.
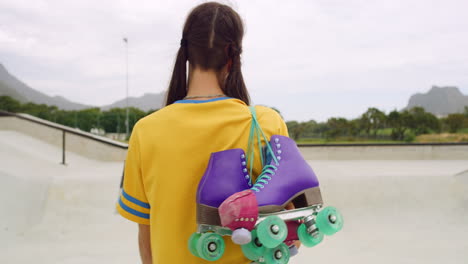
256,134
265,176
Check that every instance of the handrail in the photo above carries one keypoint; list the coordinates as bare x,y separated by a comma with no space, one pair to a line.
64,129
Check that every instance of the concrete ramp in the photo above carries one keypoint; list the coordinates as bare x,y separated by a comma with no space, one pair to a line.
51,213
396,211
25,178
24,203
462,176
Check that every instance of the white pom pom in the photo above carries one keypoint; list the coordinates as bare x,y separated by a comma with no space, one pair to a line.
293,251
241,236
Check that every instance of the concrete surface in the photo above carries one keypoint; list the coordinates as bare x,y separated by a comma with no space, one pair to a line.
396,211
59,214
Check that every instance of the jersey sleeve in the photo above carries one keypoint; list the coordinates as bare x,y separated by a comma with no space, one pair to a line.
133,203
282,128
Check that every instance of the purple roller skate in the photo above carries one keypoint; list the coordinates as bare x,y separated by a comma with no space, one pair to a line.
285,178
225,175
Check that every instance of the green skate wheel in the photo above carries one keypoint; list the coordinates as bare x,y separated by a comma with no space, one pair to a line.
192,244
254,249
307,239
272,231
278,255
329,221
210,246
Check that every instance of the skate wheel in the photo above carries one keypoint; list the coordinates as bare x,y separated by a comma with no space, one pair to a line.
307,239
272,231
329,221
277,255
192,244
254,249
210,246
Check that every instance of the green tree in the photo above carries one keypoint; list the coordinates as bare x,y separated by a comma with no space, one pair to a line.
134,115
66,118
320,129
337,127
423,122
39,110
455,122
400,122
9,104
295,129
310,129
88,118
354,128
372,120
113,120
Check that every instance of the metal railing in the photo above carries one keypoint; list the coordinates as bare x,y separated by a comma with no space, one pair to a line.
65,130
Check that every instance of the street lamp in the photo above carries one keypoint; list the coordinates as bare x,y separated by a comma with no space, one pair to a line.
126,100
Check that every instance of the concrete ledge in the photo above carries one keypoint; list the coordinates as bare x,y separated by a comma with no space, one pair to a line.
386,152
80,142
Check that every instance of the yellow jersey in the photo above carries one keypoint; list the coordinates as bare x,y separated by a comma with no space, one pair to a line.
168,153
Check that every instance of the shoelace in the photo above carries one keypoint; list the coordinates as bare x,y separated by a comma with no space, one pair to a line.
265,176
267,172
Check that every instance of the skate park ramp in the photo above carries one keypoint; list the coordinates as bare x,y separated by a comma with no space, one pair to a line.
395,211
462,176
59,214
404,211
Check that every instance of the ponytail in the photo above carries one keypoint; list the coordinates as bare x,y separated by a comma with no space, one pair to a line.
178,85
234,85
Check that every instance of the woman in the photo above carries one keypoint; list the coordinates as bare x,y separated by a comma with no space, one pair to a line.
169,149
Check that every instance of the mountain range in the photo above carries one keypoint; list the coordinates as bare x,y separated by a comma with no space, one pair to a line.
15,88
11,86
439,100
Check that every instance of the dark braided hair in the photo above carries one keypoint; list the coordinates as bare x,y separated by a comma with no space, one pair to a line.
211,39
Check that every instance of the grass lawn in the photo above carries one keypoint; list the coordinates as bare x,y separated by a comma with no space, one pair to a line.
345,141
426,138
444,137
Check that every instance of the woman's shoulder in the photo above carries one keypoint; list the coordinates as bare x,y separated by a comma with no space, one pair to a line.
271,120
153,119
267,112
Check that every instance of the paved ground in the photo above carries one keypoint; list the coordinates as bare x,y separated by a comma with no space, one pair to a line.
395,211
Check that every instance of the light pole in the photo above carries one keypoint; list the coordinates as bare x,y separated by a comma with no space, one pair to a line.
126,99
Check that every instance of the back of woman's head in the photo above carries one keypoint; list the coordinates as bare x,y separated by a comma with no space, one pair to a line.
211,40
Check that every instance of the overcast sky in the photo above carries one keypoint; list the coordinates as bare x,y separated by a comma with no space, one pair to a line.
310,59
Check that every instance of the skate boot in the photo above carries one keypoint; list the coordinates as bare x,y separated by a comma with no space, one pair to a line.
285,178
225,175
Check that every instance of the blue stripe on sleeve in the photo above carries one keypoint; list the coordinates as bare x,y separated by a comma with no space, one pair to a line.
135,200
132,211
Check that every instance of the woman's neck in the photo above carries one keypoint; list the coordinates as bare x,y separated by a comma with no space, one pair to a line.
203,83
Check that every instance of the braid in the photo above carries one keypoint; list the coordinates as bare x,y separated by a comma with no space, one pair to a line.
234,85
178,84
